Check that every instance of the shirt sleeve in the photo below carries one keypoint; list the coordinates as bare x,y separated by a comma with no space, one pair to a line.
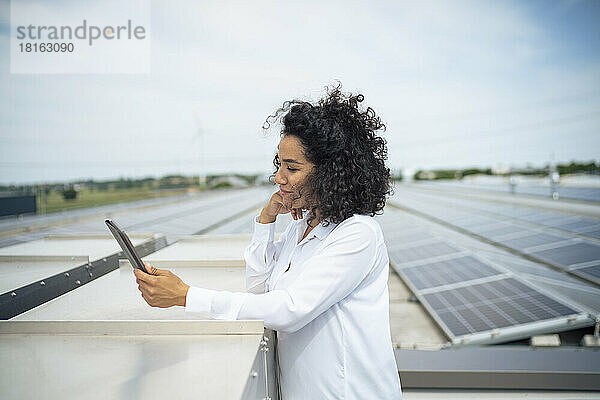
261,255
324,279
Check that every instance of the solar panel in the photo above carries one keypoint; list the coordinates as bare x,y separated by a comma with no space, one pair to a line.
422,252
541,218
537,239
591,273
488,227
594,233
474,220
446,272
501,231
571,254
556,220
395,237
580,226
493,305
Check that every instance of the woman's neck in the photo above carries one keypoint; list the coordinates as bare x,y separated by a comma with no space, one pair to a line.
316,220
309,228
310,224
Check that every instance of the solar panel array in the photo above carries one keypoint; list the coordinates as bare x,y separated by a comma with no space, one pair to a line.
173,217
591,273
178,217
433,267
494,305
421,251
565,241
454,270
472,299
577,193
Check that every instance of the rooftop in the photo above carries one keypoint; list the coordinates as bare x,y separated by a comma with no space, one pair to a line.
492,294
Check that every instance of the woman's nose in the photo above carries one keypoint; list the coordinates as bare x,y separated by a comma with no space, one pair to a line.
279,178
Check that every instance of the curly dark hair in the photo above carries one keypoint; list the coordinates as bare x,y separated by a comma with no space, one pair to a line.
350,175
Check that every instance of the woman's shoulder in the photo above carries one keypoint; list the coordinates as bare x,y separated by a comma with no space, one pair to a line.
364,225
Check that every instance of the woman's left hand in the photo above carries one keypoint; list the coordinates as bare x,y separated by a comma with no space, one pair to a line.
161,288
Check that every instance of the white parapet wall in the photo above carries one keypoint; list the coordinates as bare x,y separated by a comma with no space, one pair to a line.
102,340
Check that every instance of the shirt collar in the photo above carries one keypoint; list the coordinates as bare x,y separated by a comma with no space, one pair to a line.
320,231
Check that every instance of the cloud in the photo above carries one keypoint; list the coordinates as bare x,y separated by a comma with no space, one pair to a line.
439,74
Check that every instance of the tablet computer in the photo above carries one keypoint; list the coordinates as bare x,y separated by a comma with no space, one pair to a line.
126,245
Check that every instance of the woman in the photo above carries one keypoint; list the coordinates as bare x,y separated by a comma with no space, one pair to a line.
323,285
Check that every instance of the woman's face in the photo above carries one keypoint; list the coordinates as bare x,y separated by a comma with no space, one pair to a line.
293,172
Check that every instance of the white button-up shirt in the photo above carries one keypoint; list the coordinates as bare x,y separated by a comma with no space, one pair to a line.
327,296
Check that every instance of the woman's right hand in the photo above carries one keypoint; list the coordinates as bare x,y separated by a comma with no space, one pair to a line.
276,206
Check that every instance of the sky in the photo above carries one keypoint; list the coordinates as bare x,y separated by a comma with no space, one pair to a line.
459,84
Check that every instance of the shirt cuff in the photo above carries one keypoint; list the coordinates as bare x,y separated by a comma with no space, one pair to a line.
263,232
199,300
